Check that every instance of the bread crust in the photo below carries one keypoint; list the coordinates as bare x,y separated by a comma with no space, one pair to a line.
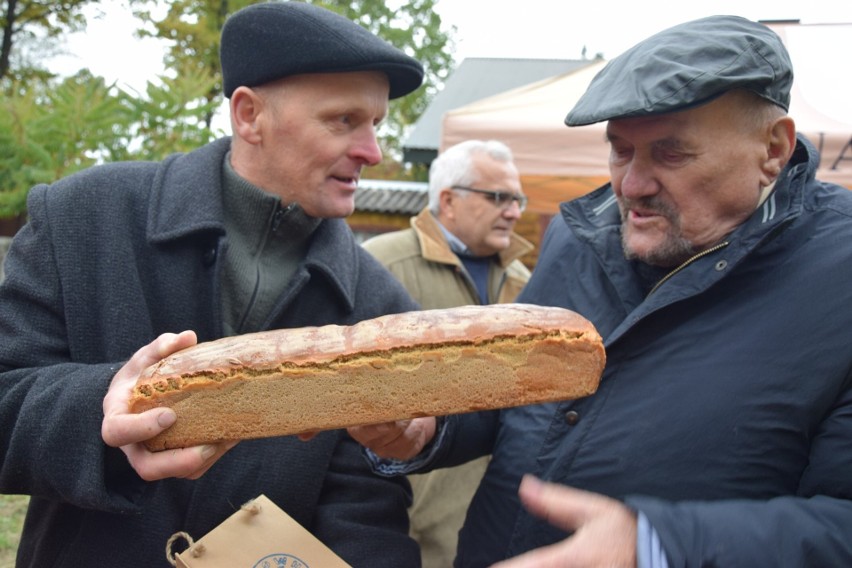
394,367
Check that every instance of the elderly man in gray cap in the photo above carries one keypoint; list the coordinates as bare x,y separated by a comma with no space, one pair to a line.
123,264
719,272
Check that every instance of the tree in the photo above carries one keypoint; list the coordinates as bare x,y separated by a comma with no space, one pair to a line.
173,116
193,27
25,21
53,129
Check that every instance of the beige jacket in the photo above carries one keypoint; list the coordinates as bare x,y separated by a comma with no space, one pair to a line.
422,260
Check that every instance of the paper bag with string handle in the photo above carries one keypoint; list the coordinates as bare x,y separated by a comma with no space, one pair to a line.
259,535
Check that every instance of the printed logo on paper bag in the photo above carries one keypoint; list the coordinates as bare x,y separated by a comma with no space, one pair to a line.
280,561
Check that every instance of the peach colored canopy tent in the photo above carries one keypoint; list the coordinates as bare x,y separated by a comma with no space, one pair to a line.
559,163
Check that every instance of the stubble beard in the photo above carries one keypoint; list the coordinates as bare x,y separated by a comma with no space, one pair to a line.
674,248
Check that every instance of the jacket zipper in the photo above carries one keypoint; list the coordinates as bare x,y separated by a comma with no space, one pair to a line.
277,218
686,263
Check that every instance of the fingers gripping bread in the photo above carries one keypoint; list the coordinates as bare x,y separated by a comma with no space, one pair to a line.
425,363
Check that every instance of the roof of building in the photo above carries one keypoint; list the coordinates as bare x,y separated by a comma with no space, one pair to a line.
391,196
477,78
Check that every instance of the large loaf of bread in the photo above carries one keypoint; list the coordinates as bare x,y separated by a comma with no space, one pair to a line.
394,367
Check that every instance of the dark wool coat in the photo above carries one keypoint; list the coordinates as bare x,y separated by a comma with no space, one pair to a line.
725,410
111,258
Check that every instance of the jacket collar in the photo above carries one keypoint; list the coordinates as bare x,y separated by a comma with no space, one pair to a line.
434,246
186,194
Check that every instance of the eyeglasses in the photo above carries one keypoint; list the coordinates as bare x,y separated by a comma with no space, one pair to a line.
501,199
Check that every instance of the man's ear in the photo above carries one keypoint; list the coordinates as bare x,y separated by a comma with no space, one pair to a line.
446,199
779,148
246,105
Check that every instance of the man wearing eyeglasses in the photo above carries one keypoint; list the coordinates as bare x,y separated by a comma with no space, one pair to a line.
460,250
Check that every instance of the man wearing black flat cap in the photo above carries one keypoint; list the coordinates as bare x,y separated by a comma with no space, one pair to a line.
123,264
717,269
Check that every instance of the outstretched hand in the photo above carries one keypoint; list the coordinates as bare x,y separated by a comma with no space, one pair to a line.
604,528
126,431
400,440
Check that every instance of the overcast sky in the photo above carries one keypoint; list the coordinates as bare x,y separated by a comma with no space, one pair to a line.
561,28
528,28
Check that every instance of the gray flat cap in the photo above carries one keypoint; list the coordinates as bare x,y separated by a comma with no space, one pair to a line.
685,66
269,41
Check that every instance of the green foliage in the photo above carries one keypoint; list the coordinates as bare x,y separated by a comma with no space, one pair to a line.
174,116
54,17
50,130
56,128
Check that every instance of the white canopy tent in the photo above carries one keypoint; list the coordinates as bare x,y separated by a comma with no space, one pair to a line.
821,92
559,163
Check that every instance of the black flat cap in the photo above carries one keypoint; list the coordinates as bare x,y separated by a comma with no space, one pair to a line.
269,41
688,65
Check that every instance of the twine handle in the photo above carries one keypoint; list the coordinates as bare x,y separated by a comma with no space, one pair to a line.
196,551
252,507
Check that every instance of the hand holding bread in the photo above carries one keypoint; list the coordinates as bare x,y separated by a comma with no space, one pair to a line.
400,440
127,431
